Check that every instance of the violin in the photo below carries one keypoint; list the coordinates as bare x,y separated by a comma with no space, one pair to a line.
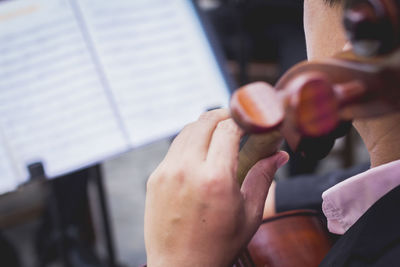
310,106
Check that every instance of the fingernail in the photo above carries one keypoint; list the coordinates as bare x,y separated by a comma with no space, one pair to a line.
282,160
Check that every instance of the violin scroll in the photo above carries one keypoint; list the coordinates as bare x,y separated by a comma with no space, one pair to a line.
372,26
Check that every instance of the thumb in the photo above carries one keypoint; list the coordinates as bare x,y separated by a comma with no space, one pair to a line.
257,182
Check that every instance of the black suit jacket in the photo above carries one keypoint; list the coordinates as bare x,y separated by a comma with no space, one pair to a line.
374,240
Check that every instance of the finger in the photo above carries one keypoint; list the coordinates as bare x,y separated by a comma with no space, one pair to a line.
224,145
194,139
257,182
269,208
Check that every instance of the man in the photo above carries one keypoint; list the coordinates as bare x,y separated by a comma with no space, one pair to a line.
196,214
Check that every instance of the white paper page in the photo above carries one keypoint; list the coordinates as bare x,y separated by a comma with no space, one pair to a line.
53,106
9,179
159,64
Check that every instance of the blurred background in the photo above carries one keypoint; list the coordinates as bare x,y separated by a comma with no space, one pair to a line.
98,219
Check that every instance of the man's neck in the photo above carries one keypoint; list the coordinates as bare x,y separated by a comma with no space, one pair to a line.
381,136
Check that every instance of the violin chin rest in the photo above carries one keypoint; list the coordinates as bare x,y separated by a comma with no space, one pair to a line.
257,108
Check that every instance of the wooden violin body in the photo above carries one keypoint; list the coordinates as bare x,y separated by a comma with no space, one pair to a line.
306,241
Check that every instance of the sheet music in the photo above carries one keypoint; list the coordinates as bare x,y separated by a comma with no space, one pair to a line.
53,106
157,61
82,80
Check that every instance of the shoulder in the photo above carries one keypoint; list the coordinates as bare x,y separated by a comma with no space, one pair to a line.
374,240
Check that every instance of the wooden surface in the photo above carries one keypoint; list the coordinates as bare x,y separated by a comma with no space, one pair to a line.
295,238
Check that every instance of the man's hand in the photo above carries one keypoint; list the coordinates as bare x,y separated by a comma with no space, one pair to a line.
196,213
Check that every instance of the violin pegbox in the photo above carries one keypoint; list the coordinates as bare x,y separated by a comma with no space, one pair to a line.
308,104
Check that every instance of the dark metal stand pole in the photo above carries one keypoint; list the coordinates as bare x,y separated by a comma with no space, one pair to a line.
55,216
105,216
36,172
